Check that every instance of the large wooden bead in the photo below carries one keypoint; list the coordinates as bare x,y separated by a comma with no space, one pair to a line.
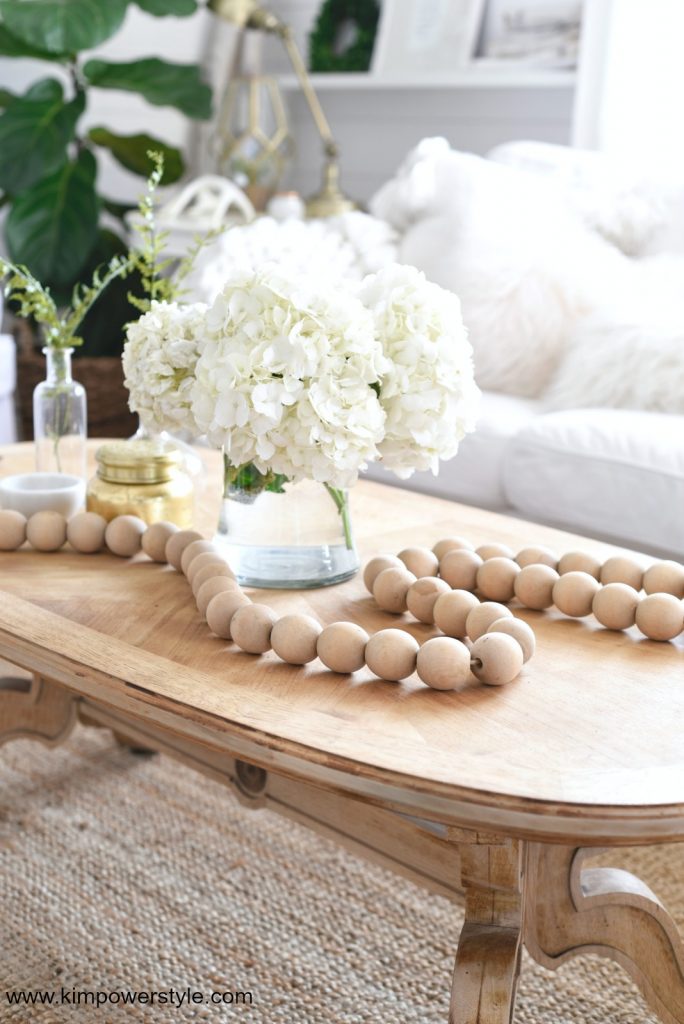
420,561
451,544
422,595
124,534
376,566
294,638
496,578
480,619
215,568
222,608
210,588
520,631
665,578
155,539
579,561
86,532
46,531
459,569
620,569
615,605
391,654
176,545
487,551
341,647
390,589
251,628
443,663
574,593
537,556
496,659
533,586
660,616
451,611
191,552
201,561
12,529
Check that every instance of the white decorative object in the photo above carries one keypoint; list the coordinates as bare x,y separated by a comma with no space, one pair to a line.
542,32
429,37
286,206
29,493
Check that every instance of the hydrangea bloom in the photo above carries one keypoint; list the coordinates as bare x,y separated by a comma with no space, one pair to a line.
285,375
428,390
159,360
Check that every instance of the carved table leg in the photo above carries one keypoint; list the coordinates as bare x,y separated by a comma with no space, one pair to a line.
571,911
35,709
488,957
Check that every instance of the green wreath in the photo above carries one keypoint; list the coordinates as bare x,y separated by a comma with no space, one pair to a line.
364,15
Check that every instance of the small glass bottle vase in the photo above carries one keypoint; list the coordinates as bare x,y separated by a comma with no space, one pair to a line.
60,417
281,535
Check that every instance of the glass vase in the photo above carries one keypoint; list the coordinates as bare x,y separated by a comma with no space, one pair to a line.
60,420
281,535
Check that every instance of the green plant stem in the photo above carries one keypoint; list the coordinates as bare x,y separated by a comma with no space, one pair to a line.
341,499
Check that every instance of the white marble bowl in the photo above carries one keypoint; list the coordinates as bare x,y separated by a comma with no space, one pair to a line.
34,492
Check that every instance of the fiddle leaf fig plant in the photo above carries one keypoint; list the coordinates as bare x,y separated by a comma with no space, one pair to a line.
49,162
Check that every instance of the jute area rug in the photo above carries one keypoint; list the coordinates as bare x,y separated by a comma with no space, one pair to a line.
121,872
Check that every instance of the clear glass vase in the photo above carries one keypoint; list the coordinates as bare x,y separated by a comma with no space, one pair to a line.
60,419
281,535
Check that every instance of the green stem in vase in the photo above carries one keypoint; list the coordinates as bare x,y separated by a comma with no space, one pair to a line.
341,499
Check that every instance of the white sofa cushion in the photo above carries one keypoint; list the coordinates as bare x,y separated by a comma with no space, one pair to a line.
610,473
475,475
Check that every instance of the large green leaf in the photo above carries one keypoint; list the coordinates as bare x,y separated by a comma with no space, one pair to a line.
11,46
161,83
52,226
131,152
63,26
103,328
161,8
35,131
6,97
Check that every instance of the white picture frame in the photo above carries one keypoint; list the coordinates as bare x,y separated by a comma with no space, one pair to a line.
430,38
533,32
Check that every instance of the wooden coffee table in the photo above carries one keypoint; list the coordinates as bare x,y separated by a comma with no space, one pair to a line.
492,795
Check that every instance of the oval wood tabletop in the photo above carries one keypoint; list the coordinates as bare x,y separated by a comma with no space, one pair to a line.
591,730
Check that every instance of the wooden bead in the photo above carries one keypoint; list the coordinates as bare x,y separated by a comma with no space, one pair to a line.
443,663
615,605
86,532
451,544
209,571
486,551
341,647
620,569
191,552
12,529
459,569
421,597
210,588
124,534
451,611
520,631
201,561
251,628
222,608
533,586
177,544
391,654
537,556
496,578
660,616
665,578
155,539
480,619
376,566
579,561
496,659
574,593
420,561
46,531
390,589
294,638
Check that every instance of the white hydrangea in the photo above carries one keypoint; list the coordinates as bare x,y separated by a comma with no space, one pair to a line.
428,391
159,360
285,375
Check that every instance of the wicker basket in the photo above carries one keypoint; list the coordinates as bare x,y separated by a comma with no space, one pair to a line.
108,412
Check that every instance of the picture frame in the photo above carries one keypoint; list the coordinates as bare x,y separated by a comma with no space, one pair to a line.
533,32
430,38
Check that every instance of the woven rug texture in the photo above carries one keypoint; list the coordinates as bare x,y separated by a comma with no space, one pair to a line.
120,872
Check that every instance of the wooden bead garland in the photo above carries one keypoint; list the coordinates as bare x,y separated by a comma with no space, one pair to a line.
155,538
